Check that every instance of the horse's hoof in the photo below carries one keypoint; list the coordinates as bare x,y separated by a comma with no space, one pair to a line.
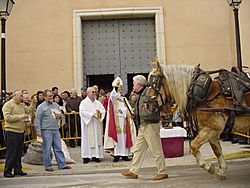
211,169
220,176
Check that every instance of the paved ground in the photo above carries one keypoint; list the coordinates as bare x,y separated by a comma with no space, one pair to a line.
179,176
183,171
107,162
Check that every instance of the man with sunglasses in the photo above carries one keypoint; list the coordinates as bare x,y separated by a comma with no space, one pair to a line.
92,114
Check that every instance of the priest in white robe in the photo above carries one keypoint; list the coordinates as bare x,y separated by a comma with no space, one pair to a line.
92,114
120,132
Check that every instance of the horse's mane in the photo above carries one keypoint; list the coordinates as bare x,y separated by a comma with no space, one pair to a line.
178,79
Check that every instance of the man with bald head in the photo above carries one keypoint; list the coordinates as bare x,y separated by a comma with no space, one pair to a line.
15,115
92,114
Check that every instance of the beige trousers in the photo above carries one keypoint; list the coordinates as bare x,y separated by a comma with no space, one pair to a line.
148,137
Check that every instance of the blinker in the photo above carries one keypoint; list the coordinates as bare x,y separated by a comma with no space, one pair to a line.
154,82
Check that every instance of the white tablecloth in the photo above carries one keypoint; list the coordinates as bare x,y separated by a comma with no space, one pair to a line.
174,132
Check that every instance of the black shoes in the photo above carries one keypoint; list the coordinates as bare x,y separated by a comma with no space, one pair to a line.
78,143
96,159
86,160
125,158
116,159
21,173
72,144
8,175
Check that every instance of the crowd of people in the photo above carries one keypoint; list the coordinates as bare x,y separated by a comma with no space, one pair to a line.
105,124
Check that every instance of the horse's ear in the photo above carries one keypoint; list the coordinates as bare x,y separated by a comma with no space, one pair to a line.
158,67
157,64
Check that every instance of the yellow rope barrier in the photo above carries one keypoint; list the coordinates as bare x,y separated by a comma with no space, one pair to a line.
240,134
64,137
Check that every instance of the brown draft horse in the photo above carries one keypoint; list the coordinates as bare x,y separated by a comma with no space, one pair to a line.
172,83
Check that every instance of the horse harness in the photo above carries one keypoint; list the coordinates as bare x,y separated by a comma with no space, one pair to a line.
155,83
233,85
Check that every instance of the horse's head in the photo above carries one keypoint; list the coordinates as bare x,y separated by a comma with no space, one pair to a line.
155,78
158,89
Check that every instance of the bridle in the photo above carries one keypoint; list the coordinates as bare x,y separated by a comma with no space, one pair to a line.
156,83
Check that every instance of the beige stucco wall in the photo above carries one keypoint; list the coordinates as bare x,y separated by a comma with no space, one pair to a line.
40,37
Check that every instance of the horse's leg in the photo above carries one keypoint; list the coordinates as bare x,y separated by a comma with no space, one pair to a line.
216,146
203,137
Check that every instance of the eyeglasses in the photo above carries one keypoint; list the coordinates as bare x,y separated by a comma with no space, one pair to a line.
93,92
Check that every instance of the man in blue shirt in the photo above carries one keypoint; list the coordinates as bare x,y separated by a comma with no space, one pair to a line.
46,123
